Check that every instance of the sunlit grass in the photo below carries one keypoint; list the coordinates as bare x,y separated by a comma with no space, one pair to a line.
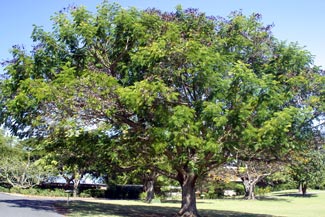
276,204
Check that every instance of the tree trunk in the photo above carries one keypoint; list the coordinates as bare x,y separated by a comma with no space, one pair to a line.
187,182
251,193
300,187
249,187
149,181
304,189
150,191
76,184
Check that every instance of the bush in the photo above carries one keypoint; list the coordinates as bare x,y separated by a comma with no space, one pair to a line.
262,191
18,190
4,189
170,193
215,192
56,193
97,193
85,193
239,188
124,191
38,191
284,186
143,196
320,186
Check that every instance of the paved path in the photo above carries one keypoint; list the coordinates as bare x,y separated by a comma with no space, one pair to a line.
21,206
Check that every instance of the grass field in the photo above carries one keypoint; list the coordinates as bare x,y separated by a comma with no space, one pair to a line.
275,204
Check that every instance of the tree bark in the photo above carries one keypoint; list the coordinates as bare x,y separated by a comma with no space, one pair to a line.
249,187
149,182
76,184
304,189
149,187
300,187
187,181
150,191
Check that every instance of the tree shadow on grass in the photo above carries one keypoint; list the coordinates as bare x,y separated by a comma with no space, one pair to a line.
294,194
270,198
309,195
179,201
259,198
103,209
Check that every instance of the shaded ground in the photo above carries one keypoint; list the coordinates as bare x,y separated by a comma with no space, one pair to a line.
287,203
16,206
275,204
100,209
297,195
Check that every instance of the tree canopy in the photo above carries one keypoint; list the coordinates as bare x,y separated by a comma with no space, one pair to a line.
182,90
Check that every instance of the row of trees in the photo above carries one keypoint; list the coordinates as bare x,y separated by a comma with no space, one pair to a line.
176,93
22,168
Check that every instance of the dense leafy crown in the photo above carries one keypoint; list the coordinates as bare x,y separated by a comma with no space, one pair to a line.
179,86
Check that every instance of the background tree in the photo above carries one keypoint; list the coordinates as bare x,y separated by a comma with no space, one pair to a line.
19,167
75,153
188,88
307,169
252,172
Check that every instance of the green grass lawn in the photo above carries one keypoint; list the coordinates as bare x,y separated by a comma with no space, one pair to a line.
276,204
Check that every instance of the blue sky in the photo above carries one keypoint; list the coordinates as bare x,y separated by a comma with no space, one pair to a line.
301,21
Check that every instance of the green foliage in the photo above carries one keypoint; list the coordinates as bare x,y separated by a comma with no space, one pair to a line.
4,189
143,196
177,92
19,167
123,191
285,186
214,190
263,191
308,167
96,193
36,191
239,189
